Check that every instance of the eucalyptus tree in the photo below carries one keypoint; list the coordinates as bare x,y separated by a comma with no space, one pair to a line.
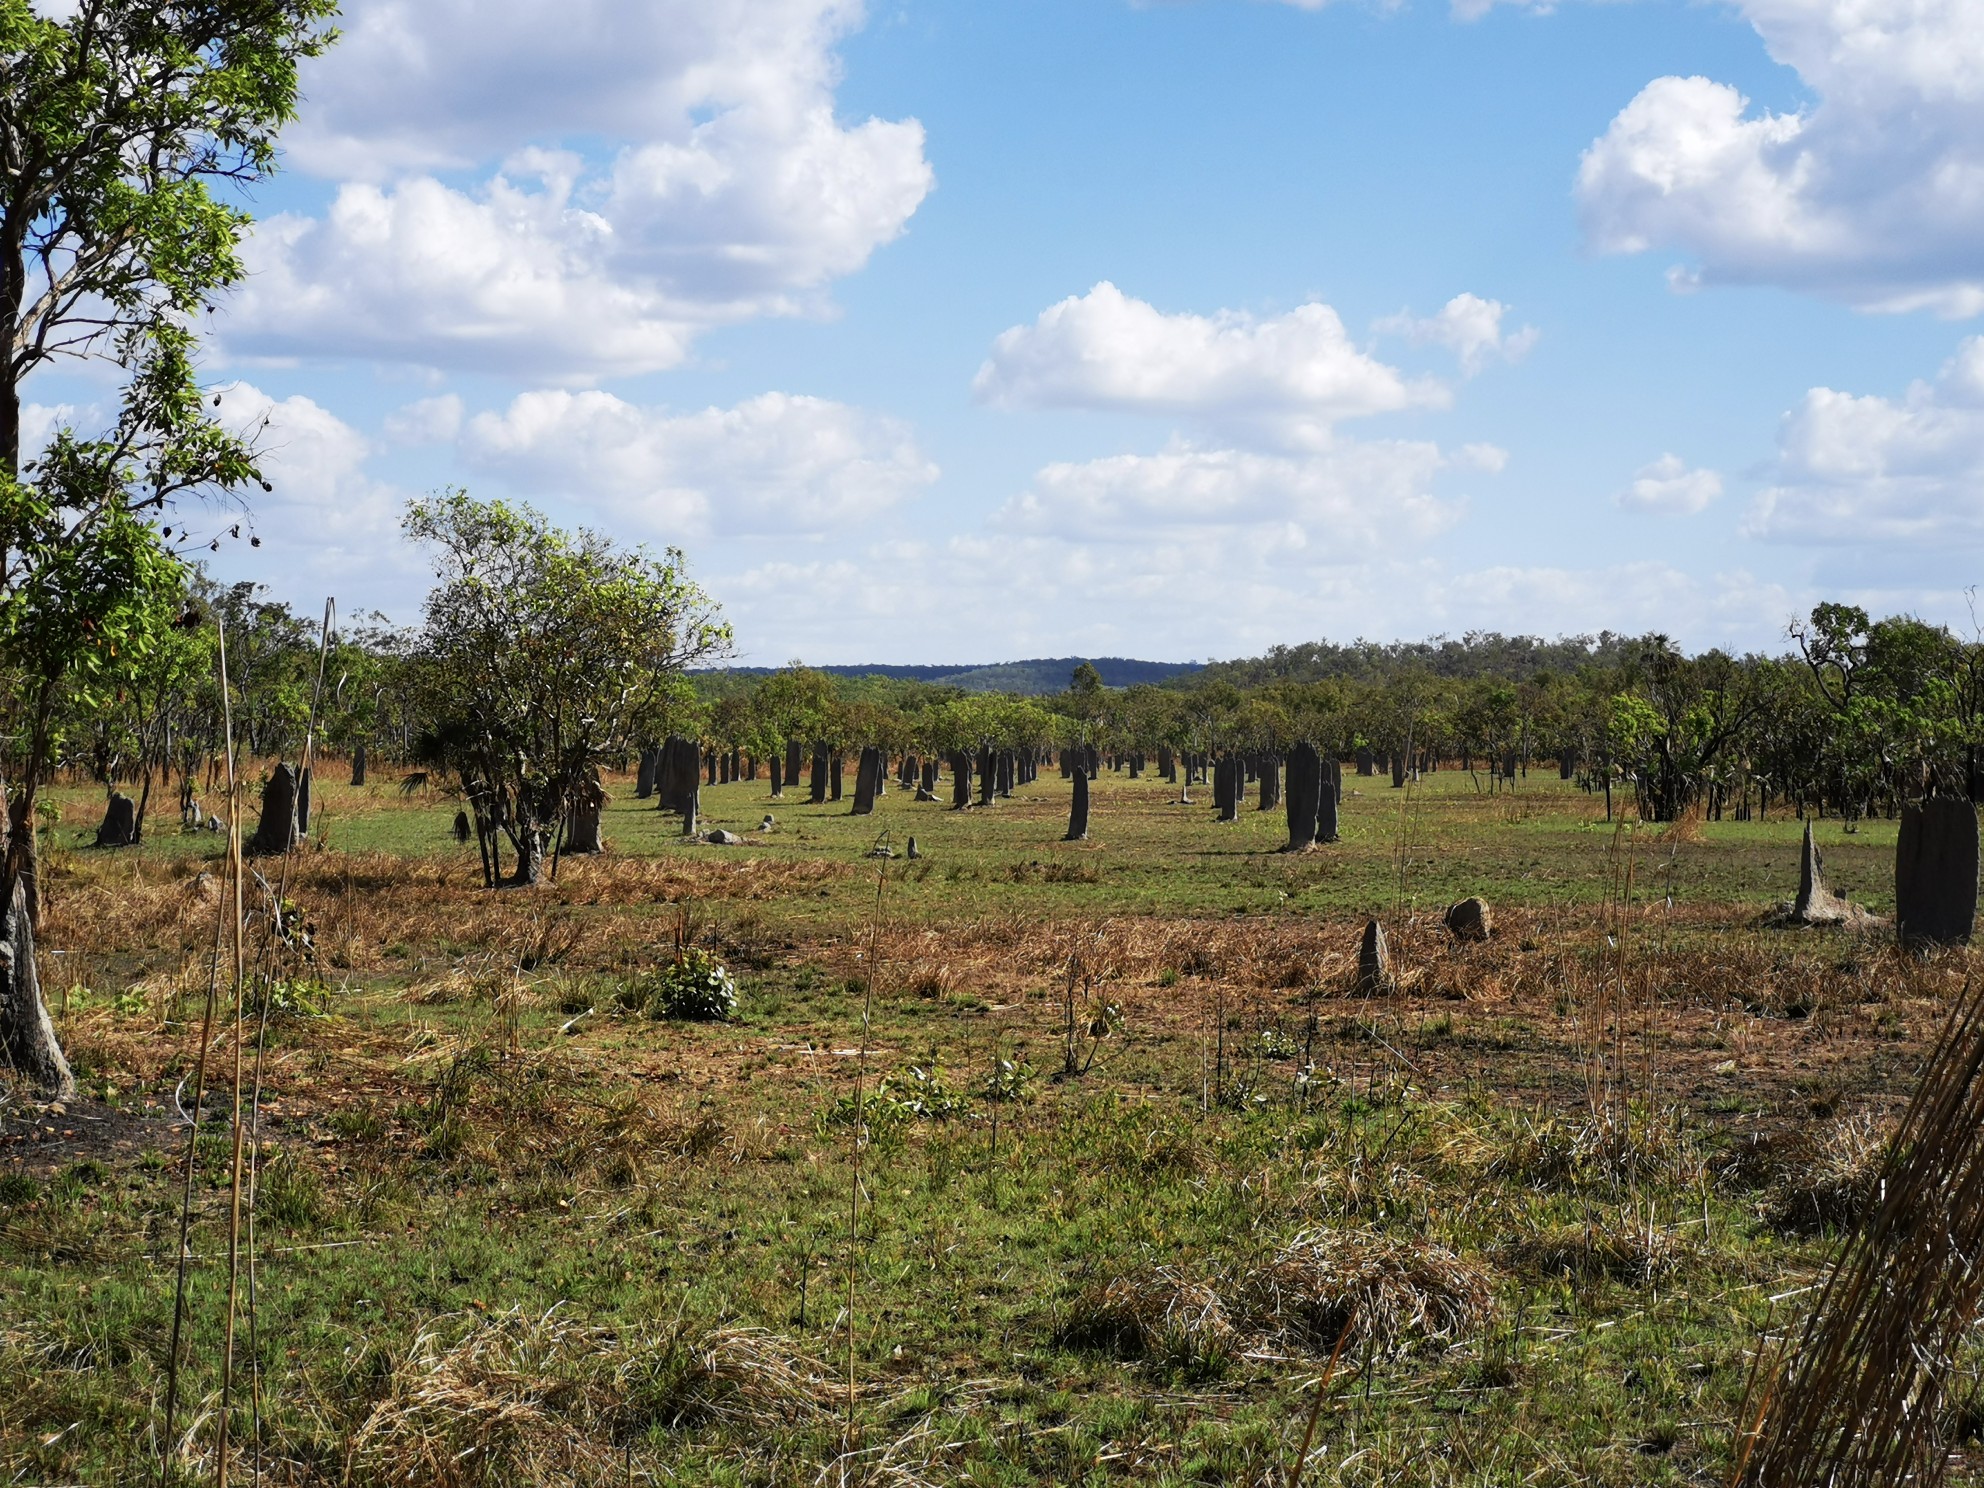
542,656
123,123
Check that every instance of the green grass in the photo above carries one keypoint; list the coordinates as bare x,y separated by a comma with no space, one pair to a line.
453,1166
1545,843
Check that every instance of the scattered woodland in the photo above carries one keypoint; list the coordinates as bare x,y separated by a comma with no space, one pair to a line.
510,1048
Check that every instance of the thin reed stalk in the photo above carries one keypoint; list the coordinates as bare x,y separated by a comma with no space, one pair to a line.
262,1039
193,1123
1855,1401
855,1138
237,874
1316,1406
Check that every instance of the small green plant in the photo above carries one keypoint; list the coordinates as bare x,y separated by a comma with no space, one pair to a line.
290,1194
361,1123
695,986
18,1188
281,996
915,1094
1010,1080
1274,1044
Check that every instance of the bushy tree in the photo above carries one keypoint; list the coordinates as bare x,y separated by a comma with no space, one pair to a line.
543,656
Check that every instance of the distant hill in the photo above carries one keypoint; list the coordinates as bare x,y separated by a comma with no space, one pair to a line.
1033,678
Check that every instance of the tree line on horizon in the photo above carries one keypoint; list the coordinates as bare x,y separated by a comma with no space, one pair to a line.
545,657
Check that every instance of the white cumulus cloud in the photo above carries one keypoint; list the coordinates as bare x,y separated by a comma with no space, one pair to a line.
434,420
1874,195
664,168
1471,328
1668,487
1333,507
1868,470
1292,376
327,526
773,465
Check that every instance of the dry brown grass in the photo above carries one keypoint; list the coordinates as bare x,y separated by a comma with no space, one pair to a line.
745,1376
1159,1313
513,1399
1857,1397
1624,1250
1832,1178
519,1399
1384,1290
1560,1152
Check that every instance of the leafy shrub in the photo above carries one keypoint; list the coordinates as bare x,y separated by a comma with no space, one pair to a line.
915,1094
695,986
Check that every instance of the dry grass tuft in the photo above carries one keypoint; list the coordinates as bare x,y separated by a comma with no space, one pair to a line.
517,1399
632,1135
514,1400
1386,1291
1156,1312
1833,1180
1556,1153
1628,1252
1368,1187
746,1376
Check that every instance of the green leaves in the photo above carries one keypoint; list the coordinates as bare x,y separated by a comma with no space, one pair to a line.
543,652
84,612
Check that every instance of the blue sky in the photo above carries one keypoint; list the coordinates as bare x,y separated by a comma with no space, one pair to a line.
948,331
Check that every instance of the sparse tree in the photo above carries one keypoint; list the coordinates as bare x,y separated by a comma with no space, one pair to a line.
117,121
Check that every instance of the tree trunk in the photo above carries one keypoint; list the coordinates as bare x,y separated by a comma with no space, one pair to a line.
27,1037
31,1045
529,843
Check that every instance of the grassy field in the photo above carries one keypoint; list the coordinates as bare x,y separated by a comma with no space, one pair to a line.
1024,1162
